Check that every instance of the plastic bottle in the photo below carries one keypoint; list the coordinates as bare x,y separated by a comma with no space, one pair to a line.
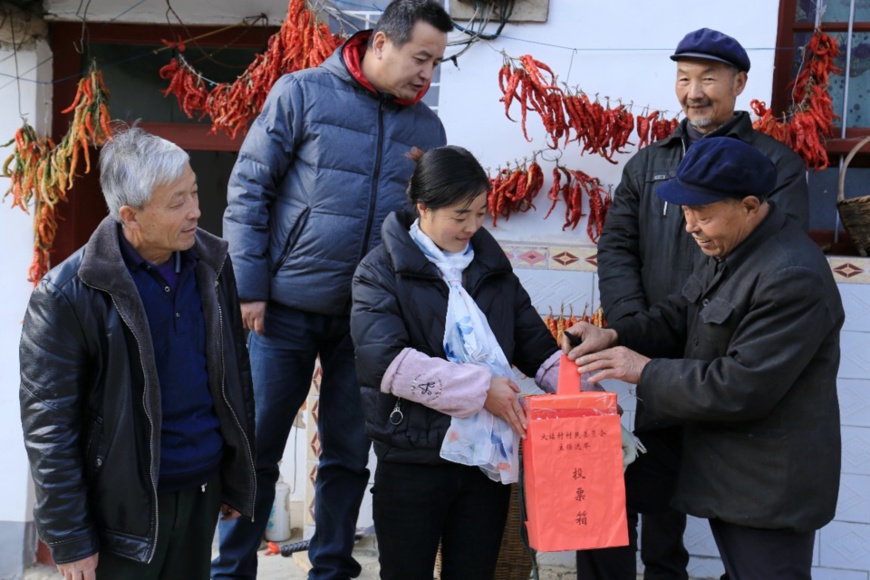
278,526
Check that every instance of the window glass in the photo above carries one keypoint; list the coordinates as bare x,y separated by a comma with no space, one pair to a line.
835,11
858,114
838,11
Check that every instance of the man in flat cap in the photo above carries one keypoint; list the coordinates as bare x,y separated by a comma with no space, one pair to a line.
644,255
744,360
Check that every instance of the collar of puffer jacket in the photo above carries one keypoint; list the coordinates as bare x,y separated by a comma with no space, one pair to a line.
352,54
408,259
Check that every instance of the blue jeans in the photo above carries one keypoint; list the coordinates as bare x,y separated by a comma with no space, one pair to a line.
282,364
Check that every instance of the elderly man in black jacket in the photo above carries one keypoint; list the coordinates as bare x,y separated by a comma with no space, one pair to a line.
745,359
136,399
644,255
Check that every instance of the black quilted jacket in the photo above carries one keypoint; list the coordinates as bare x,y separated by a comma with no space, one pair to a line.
400,300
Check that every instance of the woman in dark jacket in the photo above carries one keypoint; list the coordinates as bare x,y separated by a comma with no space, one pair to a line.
438,319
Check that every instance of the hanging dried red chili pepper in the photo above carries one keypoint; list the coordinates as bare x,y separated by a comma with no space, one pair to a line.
514,190
811,119
41,172
302,42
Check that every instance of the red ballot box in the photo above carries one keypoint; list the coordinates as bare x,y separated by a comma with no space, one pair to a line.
572,461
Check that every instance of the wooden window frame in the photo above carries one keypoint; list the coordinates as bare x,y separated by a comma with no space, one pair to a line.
836,146
783,67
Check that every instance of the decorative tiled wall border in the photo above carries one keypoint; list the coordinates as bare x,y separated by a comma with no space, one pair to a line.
583,258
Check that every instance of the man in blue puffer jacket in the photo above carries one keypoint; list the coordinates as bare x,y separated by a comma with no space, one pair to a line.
320,169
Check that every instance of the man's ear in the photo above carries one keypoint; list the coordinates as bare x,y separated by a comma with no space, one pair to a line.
740,82
128,217
378,43
750,203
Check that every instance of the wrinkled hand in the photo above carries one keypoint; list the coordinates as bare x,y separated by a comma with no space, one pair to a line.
613,363
594,339
502,401
629,449
228,513
84,569
253,315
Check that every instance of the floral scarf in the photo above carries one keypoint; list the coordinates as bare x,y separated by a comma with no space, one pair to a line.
483,439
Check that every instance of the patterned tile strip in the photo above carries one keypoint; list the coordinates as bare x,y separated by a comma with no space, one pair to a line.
584,258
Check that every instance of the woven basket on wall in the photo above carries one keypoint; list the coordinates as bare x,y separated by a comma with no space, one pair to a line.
514,561
854,212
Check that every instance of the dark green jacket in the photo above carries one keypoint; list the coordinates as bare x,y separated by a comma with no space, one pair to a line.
746,360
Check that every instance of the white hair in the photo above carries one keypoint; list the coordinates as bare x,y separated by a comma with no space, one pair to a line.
133,163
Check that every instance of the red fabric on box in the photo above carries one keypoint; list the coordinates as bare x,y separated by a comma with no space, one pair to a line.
569,378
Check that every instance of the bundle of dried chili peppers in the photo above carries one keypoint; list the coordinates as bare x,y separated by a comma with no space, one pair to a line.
654,127
43,173
535,91
302,42
576,184
558,324
90,126
598,128
514,190
810,120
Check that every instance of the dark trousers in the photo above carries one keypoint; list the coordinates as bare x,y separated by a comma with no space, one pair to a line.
754,554
610,563
649,484
662,550
185,530
414,506
282,364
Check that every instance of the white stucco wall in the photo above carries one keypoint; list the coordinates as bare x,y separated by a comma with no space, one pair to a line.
29,98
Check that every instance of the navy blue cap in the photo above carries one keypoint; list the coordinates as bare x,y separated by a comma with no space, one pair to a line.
717,168
712,45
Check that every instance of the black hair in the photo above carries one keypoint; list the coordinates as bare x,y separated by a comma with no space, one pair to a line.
446,176
400,16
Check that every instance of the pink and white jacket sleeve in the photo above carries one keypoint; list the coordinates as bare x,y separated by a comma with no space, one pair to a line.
547,376
455,389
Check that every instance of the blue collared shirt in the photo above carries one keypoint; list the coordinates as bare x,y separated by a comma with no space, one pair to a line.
190,442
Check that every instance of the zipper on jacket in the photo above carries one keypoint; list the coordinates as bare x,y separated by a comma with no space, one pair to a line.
153,546
683,144
227,401
396,415
376,174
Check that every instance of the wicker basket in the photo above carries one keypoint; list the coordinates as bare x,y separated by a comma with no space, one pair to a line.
514,561
854,212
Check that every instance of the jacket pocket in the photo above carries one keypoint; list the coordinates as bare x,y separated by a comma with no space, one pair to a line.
716,311
92,452
692,289
292,236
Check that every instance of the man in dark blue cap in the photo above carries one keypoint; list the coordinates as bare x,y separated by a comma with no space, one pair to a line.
744,359
644,255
